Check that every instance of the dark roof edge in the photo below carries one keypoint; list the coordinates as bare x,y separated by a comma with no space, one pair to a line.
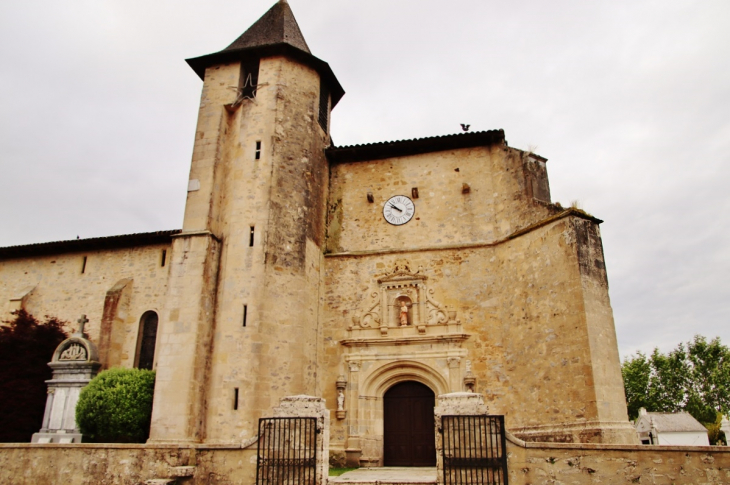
90,244
416,146
199,64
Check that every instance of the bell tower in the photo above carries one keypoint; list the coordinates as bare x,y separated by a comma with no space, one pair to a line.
241,324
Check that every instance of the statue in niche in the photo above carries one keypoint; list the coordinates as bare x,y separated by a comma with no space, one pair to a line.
403,313
340,400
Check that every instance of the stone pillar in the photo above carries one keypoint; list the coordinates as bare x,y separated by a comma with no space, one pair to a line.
353,448
454,373
725,427
75,362
454,404
311,407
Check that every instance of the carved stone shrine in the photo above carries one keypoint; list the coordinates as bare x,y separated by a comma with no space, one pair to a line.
74,364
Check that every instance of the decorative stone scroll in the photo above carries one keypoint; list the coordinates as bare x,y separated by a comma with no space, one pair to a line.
403,300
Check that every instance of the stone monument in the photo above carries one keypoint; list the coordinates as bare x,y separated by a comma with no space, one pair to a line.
74,364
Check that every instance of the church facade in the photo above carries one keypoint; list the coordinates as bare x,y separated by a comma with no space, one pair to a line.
377,276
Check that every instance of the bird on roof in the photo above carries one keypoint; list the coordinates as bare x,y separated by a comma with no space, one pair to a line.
465,127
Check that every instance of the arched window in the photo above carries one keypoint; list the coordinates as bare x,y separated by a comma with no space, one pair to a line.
147,340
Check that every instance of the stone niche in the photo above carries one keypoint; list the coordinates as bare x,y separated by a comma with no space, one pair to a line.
75,362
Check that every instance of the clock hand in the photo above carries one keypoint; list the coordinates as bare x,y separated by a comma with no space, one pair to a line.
396,208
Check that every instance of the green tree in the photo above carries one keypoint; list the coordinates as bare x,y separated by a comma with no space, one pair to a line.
116,406
708,387
715,433
26,348
694,377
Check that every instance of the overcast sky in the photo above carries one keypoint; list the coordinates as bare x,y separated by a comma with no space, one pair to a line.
629,101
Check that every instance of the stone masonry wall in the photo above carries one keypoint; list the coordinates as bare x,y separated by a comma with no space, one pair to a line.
85,464
540,463
497,202
528,464
57,287
521,302
528,286
280,192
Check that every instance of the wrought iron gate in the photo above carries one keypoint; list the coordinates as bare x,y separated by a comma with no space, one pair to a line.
287,451
474,450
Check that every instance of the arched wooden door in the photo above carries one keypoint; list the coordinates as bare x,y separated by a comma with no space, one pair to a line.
409,436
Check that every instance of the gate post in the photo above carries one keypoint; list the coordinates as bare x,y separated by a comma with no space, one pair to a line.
454,404
311,407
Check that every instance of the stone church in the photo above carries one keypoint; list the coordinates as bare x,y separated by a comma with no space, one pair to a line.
377,276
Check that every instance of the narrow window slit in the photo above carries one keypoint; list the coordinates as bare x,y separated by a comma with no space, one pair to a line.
258,150
245,314
235,398
83,266
164,257
324,100
250,239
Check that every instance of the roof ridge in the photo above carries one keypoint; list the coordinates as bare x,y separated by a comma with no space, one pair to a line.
69,245
406,140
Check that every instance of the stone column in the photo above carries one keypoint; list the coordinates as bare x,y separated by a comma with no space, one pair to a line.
454,373
454,404
353,449
311,407
422,314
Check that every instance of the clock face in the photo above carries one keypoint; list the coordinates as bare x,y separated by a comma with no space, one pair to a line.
398,210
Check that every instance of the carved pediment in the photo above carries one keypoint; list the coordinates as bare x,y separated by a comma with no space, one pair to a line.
402,273
76,349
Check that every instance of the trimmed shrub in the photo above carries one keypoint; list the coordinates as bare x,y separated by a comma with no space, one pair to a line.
116,406
26,348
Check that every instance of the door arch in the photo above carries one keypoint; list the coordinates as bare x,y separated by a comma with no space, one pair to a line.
408,425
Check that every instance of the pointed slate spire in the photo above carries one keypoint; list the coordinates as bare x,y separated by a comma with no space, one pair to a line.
276,26
275,33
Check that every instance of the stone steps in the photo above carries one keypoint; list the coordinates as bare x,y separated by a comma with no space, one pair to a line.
387,476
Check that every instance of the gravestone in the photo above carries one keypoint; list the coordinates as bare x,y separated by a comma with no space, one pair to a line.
74,364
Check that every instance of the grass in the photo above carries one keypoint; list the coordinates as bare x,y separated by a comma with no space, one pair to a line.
336,472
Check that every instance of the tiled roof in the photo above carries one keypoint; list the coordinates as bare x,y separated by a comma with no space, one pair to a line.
89,244
674,422
388,149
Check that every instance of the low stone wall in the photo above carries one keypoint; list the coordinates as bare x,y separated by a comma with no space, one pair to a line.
552,463
529,464
111,464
